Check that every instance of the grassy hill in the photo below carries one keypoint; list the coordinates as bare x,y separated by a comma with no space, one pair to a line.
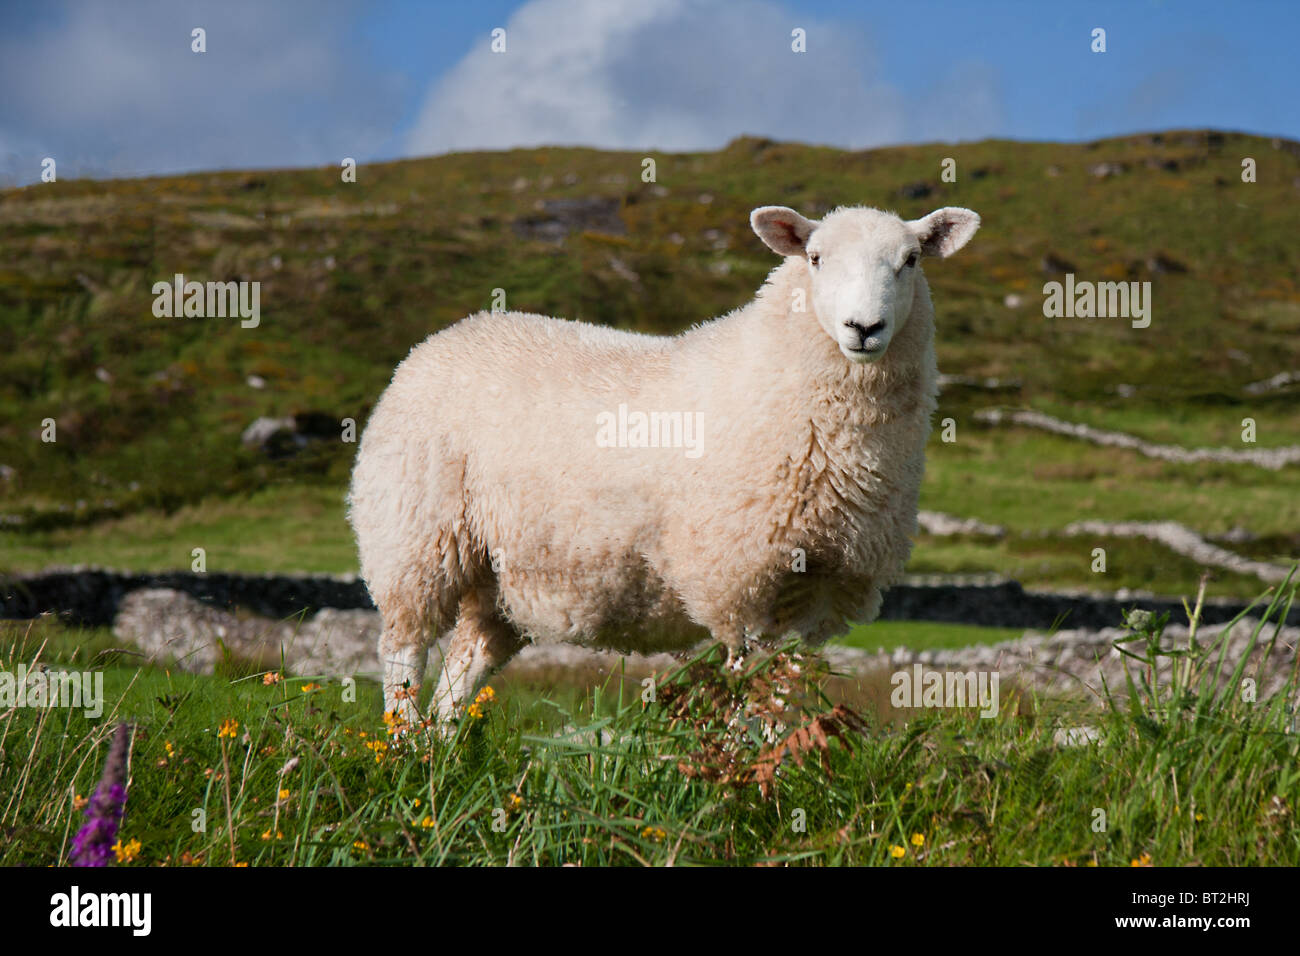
148,463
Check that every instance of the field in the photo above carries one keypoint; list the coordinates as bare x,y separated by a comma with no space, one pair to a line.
281,769
148,462
237,769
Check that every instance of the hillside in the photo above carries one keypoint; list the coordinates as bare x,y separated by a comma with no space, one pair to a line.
149,463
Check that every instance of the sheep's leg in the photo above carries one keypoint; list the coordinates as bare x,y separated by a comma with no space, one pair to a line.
403,656
481,642
737,643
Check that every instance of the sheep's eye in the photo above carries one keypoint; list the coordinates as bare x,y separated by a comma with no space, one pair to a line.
814,258
911,260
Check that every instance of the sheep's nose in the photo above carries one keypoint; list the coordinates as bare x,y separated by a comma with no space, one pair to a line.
867,331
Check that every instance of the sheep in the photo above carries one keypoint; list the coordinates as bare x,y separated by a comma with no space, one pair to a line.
508,487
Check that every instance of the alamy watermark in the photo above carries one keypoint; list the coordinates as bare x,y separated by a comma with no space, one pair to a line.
211,300
626,429
928,688
1101,300
51,688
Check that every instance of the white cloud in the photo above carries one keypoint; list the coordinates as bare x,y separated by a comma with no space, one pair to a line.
686,74
289,84
114,91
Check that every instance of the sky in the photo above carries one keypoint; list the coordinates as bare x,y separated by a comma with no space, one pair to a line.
112,88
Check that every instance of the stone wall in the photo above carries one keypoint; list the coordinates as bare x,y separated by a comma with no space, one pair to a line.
92,597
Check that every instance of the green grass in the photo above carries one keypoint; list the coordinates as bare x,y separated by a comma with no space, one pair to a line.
1185,773
148,464
298,528
923,635
1032,484
304,528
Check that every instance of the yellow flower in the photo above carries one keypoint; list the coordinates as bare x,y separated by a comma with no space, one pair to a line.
653,833
229,728
126,852
481,700
361,845
514,802
283,795
267,835
79,802
1143,860
241,864
396,724
171,751
918,839
309,688
271,677
897,852
417,802
427,823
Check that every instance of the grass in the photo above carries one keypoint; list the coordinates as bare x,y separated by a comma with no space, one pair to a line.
148,463
1184,772
285,528
1032,484
923,635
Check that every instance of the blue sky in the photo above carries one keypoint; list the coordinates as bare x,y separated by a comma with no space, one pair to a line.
113,89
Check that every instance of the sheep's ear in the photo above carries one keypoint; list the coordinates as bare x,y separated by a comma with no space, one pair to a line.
782,229
945,230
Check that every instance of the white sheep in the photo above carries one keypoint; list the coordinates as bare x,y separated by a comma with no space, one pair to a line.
529,478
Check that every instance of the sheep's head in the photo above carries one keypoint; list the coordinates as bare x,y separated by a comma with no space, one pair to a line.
865,265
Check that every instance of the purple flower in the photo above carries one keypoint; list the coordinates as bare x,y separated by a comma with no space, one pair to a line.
93,844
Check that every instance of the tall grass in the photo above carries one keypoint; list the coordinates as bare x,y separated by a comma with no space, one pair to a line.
708,766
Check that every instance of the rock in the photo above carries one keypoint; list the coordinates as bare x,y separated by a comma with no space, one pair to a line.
558,218
621,269
937,523
1161,264
282,437
264,432
1279,381
1076,736
1054,264
1105,170
173,627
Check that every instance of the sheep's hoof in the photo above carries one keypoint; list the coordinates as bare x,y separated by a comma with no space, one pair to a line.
736,656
